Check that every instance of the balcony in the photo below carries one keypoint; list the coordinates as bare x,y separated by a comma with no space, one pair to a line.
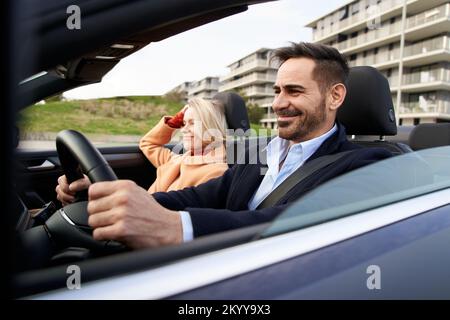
438,106
426,17
259,92
208,95
391,32
264,102
253,78
424,77
387,31
385,10
203,86
360,18
421,53
269,117
426,46
254,65
434,79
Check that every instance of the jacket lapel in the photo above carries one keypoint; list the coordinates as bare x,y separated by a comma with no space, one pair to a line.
249,177
332,144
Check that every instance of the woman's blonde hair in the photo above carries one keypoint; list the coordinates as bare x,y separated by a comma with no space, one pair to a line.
211,114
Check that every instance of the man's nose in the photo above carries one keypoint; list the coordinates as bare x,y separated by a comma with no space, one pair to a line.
280,102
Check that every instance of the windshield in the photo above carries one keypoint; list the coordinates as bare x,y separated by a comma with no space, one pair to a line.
382,183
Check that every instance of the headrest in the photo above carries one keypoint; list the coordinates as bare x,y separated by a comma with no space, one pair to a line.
367,108
235,110
429,135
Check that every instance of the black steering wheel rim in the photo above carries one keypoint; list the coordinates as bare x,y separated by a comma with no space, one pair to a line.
68,227
77,155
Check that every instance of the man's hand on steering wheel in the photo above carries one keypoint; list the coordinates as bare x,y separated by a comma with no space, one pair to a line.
121,210
66,192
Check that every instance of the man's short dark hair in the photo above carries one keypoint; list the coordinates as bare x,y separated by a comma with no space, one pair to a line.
331,66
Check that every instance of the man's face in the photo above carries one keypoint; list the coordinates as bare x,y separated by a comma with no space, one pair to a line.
300,106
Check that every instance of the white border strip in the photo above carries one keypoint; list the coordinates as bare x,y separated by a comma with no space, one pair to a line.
209,268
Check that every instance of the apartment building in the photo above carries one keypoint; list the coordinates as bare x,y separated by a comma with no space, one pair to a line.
253,76
182,89
368,32
205,88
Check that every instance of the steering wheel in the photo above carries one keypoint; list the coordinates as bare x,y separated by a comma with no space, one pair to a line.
68,227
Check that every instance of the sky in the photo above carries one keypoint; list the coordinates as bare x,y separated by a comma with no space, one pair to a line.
208,49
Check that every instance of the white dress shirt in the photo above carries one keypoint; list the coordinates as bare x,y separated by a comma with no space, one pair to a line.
278,149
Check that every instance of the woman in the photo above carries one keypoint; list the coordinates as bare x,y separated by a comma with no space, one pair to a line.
203,128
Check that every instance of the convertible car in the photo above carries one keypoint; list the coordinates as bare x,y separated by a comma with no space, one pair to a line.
378,232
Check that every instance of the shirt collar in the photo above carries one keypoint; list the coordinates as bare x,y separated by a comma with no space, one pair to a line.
278,148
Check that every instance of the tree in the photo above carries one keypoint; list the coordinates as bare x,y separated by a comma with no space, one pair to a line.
255,113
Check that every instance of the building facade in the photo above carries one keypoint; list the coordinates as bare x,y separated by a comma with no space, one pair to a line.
205,88
182,90
253,76
368,32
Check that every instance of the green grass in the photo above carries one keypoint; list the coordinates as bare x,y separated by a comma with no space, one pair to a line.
132,115
122,115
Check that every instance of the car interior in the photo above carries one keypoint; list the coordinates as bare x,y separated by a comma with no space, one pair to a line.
367,111
129,163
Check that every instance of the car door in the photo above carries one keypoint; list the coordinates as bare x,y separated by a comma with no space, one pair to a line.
40,169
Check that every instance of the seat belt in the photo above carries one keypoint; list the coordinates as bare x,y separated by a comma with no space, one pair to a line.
298,176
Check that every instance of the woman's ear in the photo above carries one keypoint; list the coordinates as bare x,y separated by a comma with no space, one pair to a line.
337,95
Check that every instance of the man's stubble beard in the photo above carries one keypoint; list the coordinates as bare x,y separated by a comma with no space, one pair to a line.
303,127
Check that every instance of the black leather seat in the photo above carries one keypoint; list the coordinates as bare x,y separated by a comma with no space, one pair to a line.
368,109
235,111
238,122
429,135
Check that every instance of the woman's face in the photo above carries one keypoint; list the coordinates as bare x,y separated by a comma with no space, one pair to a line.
192,132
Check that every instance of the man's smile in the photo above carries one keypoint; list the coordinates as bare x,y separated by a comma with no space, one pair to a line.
288,116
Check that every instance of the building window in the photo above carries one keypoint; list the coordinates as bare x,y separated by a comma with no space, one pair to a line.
343,13
342,37
371,3
416,121
354,8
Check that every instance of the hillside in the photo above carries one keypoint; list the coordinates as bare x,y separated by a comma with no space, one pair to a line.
121,115
131,115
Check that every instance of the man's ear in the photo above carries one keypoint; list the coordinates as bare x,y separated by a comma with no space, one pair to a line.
337,95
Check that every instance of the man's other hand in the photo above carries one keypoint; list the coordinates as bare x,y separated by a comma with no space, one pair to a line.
122,211
66,193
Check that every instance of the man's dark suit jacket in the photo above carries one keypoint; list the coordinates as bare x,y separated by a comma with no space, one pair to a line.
222,203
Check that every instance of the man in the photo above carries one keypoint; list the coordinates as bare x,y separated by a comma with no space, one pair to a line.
309,89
